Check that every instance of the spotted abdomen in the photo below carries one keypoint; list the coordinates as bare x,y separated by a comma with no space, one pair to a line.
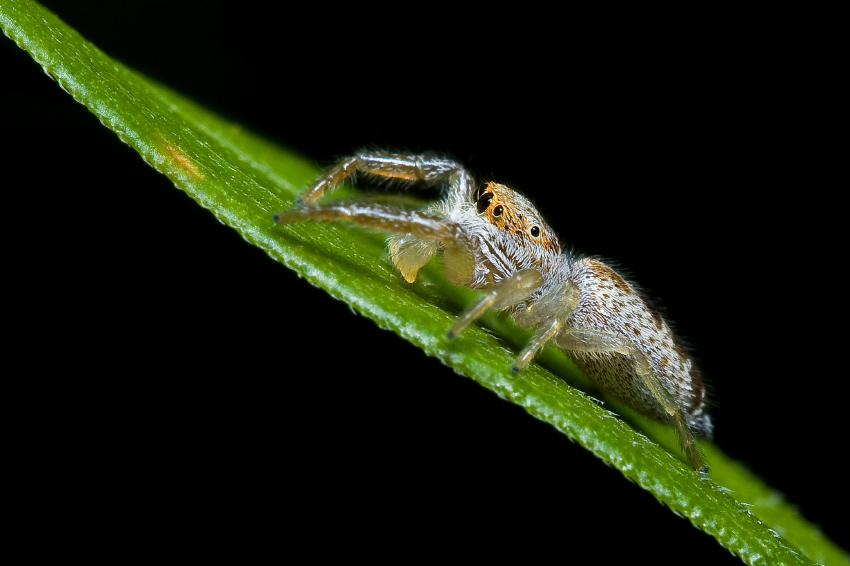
609,303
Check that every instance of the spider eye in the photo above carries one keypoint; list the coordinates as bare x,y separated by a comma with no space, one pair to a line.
535,231
484,202
498,211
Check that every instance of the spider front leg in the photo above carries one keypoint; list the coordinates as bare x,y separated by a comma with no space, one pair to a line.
549,313
412,225
504,294
417,235
424,167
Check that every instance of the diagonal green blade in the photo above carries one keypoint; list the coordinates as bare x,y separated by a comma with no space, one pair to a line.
243,179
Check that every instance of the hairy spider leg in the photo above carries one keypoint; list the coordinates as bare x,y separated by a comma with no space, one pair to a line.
504,294
420,225
416,235
423,167
549,315
686,437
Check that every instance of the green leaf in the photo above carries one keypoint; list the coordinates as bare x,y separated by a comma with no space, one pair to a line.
243,179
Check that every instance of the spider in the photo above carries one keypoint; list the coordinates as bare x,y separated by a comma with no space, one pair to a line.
491,237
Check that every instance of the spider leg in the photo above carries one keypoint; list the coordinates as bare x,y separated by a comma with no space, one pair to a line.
549,314
586,340
686,437
424,167
420,225
540,339
504,294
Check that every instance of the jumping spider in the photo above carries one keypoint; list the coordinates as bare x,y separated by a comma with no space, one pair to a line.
492,238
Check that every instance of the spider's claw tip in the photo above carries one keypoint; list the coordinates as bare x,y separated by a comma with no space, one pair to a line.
514,369
450,334
276,218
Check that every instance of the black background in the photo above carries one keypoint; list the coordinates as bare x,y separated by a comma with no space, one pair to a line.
694,158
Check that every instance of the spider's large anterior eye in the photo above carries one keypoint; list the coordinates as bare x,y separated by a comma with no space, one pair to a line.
484,201
535,231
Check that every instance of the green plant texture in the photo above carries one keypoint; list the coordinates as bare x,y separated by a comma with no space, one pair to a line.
243,179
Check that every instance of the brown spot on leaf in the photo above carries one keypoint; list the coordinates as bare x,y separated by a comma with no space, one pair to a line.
180,160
